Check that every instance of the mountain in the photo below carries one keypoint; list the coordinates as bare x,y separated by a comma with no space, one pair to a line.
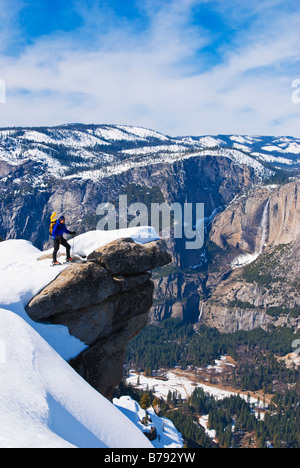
243,276
255,279
95,151
72,169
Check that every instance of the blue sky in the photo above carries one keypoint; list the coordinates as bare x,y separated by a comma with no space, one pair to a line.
182,67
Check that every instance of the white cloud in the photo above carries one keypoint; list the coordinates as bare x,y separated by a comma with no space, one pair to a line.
149,79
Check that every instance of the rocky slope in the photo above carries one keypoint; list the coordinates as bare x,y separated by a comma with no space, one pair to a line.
104,303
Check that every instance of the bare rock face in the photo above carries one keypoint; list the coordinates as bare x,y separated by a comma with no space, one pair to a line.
104,303
241,224
265,292
78,287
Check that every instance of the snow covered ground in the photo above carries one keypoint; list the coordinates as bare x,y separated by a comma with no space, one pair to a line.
180,384
44,403
168,436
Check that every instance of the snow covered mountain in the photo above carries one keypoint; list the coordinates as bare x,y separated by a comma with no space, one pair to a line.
44,403
71,169
97,151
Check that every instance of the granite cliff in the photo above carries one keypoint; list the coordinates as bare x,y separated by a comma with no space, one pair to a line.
265,215
255,279
104,303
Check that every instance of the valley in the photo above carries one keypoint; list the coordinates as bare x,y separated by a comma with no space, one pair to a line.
174,362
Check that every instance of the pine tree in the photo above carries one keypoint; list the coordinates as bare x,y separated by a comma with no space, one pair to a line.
145,401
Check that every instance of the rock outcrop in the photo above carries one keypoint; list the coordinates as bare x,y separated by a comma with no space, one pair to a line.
104,303
126,257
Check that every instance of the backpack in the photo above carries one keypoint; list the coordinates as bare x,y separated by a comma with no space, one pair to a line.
53,220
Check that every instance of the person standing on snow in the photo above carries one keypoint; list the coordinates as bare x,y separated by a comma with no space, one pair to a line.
58,239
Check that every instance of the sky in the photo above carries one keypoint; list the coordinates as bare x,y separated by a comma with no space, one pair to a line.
180,67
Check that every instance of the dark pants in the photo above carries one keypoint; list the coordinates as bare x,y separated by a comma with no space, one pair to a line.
59,240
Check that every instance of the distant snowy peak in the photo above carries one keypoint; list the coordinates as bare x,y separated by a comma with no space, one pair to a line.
289,148
96,151
143,133
84,135
204,142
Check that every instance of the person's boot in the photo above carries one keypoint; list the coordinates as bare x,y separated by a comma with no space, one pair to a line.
55,262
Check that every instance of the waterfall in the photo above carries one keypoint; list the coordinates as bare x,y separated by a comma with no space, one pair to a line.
201,311
264,229
246,259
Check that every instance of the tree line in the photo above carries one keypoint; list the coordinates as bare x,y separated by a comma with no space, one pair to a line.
174,343
234,419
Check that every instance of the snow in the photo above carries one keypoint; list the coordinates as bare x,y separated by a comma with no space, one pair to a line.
39,137
147,150
291,148
236,156
83,148
244,259
67,138
203,421
238,138
274,159
240,147
209,142
143,132
21,278
180,384
44,403
168,436
88,242
114,134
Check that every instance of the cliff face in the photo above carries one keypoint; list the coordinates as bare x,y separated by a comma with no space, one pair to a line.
267,215
260,295
25,211
104,303
213,181
255,279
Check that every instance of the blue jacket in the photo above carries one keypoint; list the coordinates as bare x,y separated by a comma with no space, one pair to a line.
59,229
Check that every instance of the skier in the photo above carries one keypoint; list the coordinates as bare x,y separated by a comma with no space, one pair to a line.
58,238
